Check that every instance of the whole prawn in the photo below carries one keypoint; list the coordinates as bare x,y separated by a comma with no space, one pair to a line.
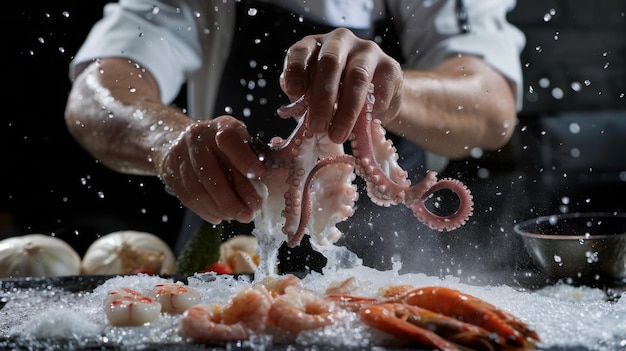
472,310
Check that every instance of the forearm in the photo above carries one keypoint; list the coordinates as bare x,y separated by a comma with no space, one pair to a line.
459,105
115,113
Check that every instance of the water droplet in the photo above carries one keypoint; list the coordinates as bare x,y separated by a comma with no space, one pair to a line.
556,35
553,220
476,152
576,86
228,110
574,128
587,82
575,152
483,173
538,48
606,65
544,82
557,259
557,93
65,14
252,12
547,17
165,218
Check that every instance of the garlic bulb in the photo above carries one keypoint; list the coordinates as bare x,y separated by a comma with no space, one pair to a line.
239,253
37,255
128,252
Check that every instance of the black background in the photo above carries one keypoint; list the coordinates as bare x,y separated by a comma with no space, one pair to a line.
48,184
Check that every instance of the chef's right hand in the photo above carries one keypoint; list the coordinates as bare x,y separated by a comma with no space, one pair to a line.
210,168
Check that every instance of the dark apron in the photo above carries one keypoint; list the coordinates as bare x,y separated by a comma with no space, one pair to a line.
250,91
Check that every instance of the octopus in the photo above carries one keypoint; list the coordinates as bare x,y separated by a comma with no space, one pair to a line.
312,179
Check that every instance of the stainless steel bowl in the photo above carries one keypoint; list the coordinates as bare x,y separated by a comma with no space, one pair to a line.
578,248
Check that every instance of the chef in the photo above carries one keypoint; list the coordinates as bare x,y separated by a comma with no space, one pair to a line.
447,77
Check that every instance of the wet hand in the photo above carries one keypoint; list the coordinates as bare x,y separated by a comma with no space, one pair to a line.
335,70
210,167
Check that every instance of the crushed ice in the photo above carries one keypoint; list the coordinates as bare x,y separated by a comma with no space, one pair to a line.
563,315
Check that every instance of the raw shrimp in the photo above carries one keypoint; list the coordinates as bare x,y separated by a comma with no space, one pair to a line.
472,310
343,287
296,311
276,286
127,307
174,298
244,315
425,327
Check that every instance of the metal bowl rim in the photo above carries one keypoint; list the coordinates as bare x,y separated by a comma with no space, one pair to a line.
517,227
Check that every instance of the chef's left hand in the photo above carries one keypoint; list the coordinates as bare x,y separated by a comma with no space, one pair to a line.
337,68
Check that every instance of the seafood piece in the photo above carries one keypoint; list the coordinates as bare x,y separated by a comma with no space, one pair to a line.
239,253
174,298
351,302
127,307
425,327
310,178
243,316
296,311
277,286
471,310
343,287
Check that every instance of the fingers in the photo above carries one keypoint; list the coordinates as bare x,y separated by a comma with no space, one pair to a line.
335,70
205,179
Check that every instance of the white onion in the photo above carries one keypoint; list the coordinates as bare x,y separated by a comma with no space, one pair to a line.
126,252
37,255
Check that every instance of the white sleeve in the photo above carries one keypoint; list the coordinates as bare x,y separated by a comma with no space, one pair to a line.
159,35
430,34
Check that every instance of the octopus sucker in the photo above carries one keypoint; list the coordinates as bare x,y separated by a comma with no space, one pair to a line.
310,179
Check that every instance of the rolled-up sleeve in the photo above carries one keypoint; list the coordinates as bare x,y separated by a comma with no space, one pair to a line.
431,33
160,36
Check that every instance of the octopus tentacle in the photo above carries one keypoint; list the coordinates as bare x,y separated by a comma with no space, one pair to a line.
421,192
295,237
377,159
312,182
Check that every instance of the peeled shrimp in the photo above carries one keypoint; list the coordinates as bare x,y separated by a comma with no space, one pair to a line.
277,286
244,315
296,311
127,307
174,298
